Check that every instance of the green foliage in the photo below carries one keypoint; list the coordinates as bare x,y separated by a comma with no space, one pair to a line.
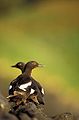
48,34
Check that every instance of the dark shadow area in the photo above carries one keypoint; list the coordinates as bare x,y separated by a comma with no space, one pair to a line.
7,6
32,1
52,106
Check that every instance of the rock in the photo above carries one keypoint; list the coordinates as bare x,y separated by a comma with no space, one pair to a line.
23,116
7,116
64,116
28,111
31,112
4,103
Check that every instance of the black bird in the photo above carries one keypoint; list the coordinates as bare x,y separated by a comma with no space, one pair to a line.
24,85
21,66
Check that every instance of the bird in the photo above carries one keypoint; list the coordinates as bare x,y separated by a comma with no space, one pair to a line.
21,65
25,86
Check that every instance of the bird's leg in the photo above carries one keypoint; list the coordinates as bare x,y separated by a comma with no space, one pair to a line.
10,96
34,98
23,95
15,94
18,93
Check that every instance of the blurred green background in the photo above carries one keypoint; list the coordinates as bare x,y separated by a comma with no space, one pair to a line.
46,31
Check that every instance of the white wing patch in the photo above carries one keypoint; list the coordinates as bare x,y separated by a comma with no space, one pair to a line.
32,91
10,87
24,86
42,91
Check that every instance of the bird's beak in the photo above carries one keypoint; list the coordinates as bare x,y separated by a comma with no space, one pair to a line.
13,66
40,65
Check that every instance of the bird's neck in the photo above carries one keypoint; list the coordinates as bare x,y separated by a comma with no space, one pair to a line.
28,72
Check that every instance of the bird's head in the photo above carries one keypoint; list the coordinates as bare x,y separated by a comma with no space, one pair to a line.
19,65
32,65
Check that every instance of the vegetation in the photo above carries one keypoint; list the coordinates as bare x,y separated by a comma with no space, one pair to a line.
48,33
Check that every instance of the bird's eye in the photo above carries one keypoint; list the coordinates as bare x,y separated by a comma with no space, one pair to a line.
34,63
20,64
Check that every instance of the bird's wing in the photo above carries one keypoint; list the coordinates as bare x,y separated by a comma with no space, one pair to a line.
39,86
13,84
